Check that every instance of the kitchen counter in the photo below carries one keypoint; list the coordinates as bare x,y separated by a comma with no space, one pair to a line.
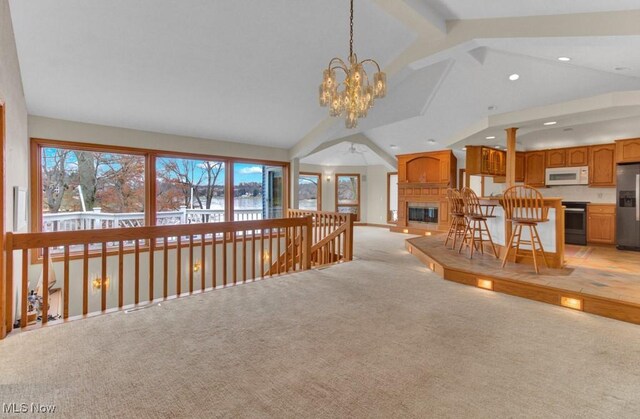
551,232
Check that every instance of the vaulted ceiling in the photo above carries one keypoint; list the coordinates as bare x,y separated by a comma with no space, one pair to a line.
248,70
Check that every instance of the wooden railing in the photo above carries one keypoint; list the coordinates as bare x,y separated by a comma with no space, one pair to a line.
218,254
332,234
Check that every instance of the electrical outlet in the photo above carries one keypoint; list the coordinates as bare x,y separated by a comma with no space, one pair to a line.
600,195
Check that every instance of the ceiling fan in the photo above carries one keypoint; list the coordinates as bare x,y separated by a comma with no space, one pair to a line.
354,150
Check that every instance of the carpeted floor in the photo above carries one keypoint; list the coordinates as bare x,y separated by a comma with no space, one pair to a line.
378,337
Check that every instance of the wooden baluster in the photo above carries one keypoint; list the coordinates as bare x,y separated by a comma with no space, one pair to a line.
235,256
152,251
253,255
262,253
203,264
178,266
244,256
191,264
136,258
45,285
25,289
103,284
278,247
293,248
270,252
65,276
85,281
224,259
286,249
213,260
165,267
8,273
120,274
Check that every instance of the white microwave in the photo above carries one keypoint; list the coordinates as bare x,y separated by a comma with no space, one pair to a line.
567,176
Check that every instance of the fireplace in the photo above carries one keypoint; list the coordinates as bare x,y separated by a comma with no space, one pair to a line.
419,212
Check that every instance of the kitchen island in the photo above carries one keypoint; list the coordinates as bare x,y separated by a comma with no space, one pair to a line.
551,232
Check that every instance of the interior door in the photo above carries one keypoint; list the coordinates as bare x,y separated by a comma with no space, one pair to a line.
628,214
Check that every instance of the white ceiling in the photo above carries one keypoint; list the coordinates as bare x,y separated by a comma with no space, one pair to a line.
477,9
241,70
248,70
342,155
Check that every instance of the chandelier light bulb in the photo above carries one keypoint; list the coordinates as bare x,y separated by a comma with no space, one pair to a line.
357,93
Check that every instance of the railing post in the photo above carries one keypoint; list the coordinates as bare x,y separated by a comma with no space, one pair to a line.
348,246
183,215
6,288
306,242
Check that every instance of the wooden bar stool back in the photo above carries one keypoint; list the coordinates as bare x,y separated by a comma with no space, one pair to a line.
476,231
458,222
524,207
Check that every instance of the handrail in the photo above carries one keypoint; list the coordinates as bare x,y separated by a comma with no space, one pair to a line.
226,252
332,235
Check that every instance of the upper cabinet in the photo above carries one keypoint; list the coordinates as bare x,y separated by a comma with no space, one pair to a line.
436,167
602,170
568,157
486,161
577,156
556,158
520,166
628,151
535,168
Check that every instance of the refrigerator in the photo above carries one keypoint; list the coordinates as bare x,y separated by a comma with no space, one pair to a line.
628,211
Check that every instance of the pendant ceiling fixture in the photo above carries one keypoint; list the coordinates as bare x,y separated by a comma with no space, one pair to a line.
355,95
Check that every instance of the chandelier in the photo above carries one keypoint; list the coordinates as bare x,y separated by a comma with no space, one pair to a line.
355,95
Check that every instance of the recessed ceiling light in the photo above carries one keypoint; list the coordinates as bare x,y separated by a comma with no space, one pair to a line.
567,129
464,148
550,123
514,77
492,108
393,146
565,59
431,141
621,68
498,147
491,137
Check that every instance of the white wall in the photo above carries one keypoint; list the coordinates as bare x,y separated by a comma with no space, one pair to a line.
57,129
373,185
12,94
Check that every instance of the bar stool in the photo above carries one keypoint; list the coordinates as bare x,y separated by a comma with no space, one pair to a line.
458,223
524,207
477,215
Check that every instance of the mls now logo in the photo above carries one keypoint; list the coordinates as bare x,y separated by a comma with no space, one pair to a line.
15,408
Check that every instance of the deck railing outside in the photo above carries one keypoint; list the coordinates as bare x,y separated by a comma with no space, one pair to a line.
93,220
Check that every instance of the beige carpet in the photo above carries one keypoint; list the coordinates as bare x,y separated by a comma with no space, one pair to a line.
378,337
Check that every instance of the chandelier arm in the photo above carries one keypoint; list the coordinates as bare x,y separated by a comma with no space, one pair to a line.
346,72
369,60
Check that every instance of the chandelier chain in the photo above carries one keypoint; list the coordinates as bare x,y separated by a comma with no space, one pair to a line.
351,32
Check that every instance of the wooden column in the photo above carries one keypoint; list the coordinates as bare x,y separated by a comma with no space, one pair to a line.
511,156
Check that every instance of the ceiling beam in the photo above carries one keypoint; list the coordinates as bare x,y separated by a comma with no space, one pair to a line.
358,139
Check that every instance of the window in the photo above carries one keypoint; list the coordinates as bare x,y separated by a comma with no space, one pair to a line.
258,191
392,198
85,189
310,191
189,191
348,194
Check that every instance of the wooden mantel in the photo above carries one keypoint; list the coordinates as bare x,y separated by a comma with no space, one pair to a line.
425,178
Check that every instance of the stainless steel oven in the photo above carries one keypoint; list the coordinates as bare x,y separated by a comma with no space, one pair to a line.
575,223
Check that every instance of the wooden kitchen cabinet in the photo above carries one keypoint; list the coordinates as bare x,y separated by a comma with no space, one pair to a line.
628,151
602,169
577,156
601,223
486,161
535,168
556,157
520,166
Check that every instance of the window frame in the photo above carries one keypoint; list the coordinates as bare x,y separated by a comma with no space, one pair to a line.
150,160
319,198
356,205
